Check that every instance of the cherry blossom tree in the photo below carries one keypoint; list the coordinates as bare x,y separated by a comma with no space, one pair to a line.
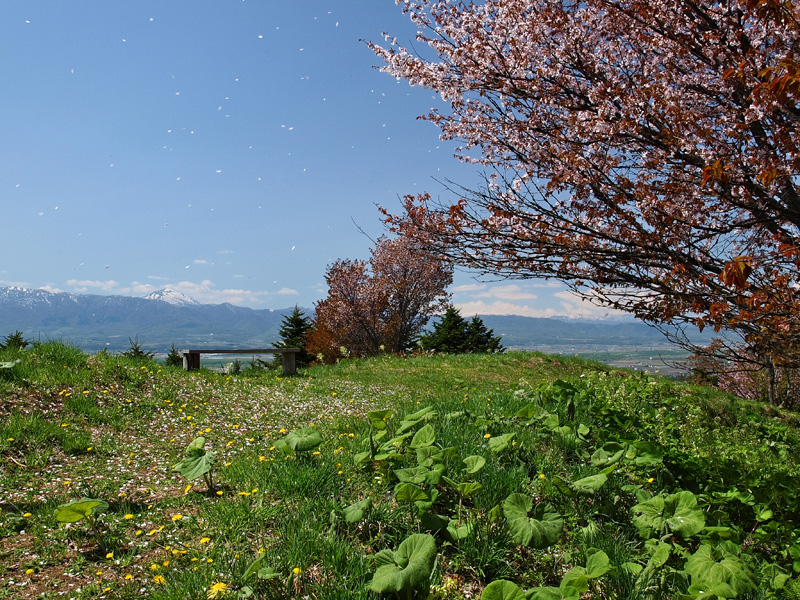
382,304
644,152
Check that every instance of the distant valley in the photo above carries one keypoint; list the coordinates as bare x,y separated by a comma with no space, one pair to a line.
94,322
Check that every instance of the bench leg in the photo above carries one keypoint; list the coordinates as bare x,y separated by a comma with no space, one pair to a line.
191,361
289,363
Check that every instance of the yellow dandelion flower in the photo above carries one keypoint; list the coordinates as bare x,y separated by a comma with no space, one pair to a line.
128,576
651,480
205,540
154,567
110,555
177,517
218,590
487,436
297,570
542,475
26,515
29,572
159,579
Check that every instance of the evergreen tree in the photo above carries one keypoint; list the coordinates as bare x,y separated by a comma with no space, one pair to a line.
293,331
456,335
480,339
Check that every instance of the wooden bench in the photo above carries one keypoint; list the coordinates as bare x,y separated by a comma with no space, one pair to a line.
191,358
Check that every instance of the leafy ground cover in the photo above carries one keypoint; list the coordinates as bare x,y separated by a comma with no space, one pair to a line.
507,476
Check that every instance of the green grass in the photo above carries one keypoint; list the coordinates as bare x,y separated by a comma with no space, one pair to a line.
103,426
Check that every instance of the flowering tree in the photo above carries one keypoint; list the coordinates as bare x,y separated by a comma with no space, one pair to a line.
381,304
644,152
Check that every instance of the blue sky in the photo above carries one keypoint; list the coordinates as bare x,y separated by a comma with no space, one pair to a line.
221,148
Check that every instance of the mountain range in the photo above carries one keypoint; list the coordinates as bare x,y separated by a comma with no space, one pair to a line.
156,321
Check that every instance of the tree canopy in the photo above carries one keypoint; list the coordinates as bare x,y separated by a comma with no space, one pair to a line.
643,152
453,333
382,304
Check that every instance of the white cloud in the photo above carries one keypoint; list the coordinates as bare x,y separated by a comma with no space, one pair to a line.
469,287
84,285
46,288
507,292
157,278
575,306
287,292
500,307
200,261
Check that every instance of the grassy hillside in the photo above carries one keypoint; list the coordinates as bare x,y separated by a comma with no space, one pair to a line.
411,477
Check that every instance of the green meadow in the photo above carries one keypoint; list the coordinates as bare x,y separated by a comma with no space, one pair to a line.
508,476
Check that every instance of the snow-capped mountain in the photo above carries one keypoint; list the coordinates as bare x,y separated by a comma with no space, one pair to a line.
94,322
173,297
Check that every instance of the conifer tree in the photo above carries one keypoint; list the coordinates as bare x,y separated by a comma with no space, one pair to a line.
456,335
294,330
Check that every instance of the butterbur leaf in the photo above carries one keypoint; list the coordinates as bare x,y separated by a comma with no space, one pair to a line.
502,590
74,511
407,568
469,489
501,443
378,418
588,486
597,563
714,566
456,532
408,492
304,440
609,454
356,511
540,531
527,412
197,462
474,463
429,455
677,513
424,437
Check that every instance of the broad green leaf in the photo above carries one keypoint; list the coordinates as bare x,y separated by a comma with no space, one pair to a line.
429,455
540,531
713,566
469,489
677,513
610,453
426,413
527,412
474,463
502,590
197,462
597,563
408,492
588,486
411,565
74,511
456,532
545,593
551,422
647,454
378,418
563,487
711,591
356,511
501,442
360,457
304,440
575,579
433,522
424,437
197,444
410,475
